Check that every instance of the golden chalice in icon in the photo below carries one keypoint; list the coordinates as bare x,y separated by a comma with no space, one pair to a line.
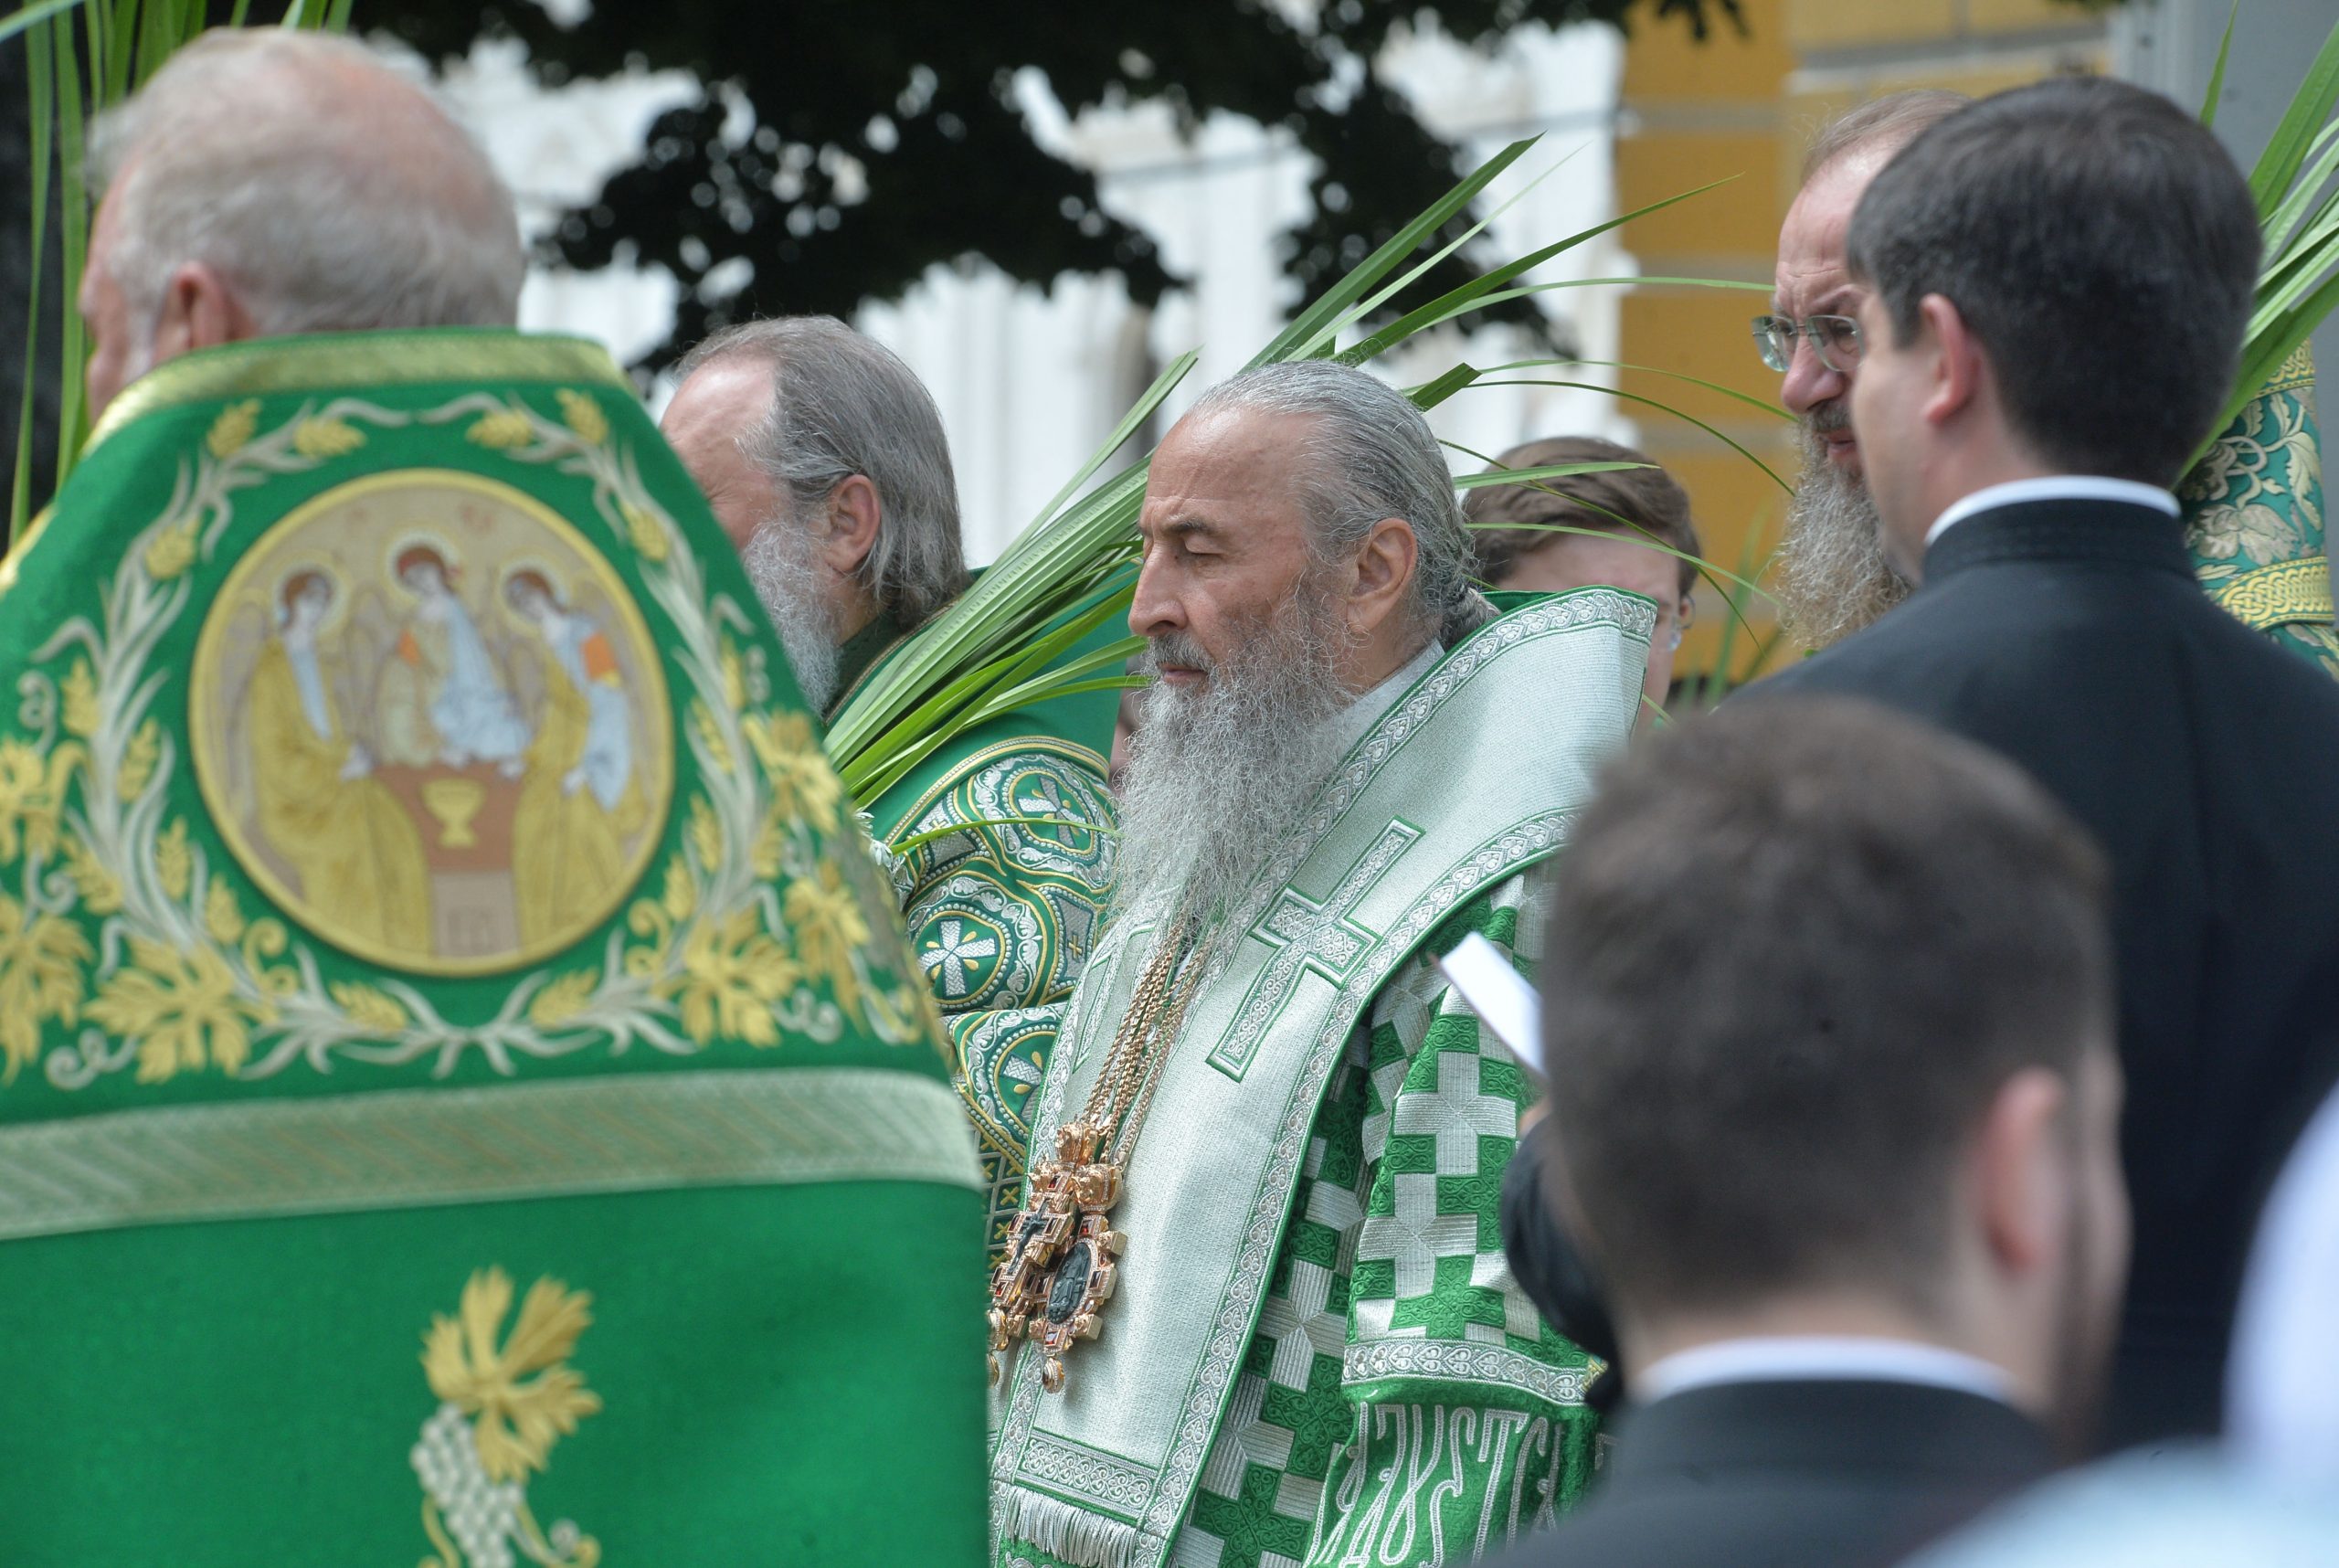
454,802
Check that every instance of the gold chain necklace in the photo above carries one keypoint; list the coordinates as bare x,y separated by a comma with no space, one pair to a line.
1059,1270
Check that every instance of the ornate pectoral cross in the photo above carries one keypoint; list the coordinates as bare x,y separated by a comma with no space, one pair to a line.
1059,1270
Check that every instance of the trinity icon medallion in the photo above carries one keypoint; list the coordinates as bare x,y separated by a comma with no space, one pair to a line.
429,720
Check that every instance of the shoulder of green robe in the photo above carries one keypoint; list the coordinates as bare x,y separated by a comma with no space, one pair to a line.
523,797
2254,520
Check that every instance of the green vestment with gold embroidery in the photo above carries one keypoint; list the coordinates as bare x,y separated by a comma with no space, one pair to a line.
1005,850
464,1094
1314,1351
2254,520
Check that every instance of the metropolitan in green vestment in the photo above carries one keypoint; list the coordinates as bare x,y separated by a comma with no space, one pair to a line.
1256,1309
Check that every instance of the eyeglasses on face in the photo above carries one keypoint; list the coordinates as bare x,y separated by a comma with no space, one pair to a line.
1834,339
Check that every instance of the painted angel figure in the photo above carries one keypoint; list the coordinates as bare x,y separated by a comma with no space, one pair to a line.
581,799
442,699
358,857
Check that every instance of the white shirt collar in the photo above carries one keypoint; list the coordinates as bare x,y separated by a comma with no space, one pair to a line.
1350,723
2055,487
1824,1357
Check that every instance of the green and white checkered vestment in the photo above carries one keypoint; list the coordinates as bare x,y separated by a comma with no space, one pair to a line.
1314,1352
1402,1401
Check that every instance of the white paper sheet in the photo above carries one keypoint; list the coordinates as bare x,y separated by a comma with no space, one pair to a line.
1500,996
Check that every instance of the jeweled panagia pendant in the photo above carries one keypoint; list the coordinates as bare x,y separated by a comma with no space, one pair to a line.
1059,1270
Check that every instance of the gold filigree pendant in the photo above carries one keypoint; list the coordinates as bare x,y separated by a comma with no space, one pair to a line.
1060,1268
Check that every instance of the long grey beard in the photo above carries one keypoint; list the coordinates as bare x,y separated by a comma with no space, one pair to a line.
1217,779
781,562
1833,579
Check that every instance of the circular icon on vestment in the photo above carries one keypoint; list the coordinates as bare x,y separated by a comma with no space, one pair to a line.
429,719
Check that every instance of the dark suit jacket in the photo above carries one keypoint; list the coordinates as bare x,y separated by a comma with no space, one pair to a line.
1792,1475
2070,636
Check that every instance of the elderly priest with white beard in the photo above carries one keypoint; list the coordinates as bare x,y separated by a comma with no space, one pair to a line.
1255,1307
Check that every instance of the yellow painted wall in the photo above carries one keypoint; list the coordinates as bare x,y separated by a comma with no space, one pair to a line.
1744,107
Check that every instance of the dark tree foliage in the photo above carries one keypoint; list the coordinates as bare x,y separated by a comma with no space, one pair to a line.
916,95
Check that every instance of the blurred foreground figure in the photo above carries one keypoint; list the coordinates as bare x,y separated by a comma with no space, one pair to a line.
2269,1494
456,1058
1828,1029
1585,529
2019,441
1255,1295
825,461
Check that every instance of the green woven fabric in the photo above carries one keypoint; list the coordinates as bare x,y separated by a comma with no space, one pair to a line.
2254,520
1002,911
464,1094
1394,1343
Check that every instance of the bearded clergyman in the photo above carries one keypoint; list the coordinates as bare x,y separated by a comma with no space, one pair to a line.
825,458
2253,503
1255,1307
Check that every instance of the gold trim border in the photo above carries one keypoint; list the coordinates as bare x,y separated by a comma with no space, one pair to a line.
2279,594
202,726
354,361
415,1148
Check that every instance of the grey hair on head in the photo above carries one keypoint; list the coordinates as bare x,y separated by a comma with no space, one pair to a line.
318,177
1373,457
844,404
1885,124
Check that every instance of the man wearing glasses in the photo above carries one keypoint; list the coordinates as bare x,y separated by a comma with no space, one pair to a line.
1833,579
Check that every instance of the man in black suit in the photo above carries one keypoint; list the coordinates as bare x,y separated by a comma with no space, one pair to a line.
2056,284
1828,1023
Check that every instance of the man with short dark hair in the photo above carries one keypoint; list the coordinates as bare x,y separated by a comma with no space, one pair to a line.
2044,352
1829,1030
1627,527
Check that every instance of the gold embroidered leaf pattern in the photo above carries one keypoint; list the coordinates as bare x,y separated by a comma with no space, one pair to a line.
40,977
221,919
173,862
501,431
178,1007
101,892
733,976
648,538
326,437
718,750
80,692
518,1416
563,999
735,676
770,845
32,796
802,782
584,417
680,897
367,1007
171,552
706,834
138,761
827,921
233,427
